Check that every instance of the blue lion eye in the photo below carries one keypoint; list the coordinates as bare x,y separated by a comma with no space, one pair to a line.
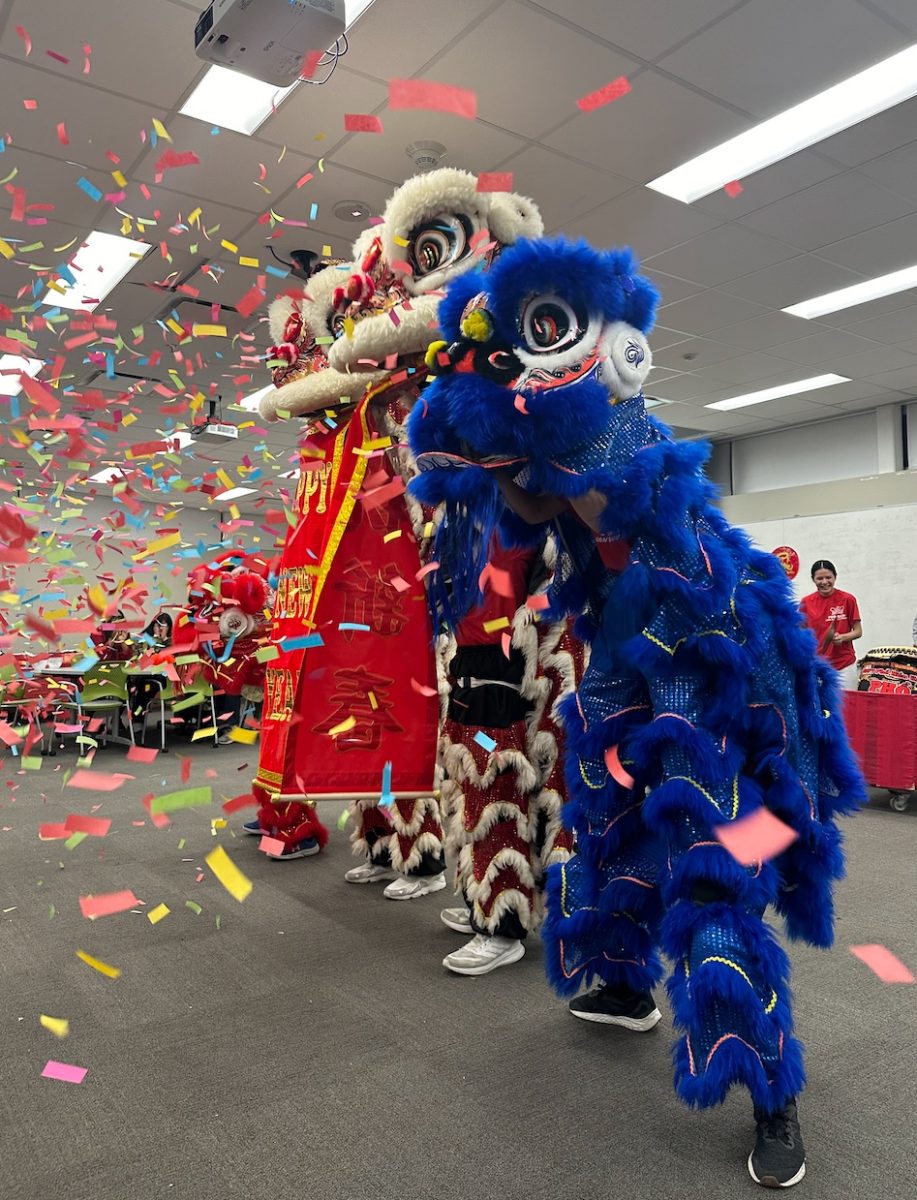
550,324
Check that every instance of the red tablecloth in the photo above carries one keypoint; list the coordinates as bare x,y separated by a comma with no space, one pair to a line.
882,728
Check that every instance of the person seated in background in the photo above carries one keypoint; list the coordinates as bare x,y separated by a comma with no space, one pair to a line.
159,632
111,643
834,618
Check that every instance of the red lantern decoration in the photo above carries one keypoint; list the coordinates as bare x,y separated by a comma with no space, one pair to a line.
789,560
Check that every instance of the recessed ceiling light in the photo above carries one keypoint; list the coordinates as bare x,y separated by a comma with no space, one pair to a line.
857,293
847,103
11,367
99,264
774,393
234,101
234,493
351,210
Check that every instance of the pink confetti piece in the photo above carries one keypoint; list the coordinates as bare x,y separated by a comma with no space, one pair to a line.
8,734
62,134
94,826
87,51
615,770
30,104
881,961
500,581
436,97
495,181
538,603
142,754
271,845
108,904
65,1072
57,57
399,584
362,123
733,189
519,404
505,644
756,838
425,571
26,40
310,63
421,688
95,780
604,95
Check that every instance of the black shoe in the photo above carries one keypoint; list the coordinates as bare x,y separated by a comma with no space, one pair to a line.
613,1006
779,1157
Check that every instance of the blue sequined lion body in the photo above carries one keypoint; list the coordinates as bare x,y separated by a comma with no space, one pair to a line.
703,701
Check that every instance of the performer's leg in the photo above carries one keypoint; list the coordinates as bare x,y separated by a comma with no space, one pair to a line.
293,823
371,841
416,849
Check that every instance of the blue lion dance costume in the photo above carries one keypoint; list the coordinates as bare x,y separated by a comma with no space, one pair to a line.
701,679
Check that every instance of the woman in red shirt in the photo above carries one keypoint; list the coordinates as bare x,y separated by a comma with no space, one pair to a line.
834,618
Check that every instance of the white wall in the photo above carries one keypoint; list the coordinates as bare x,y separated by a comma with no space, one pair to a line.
875,552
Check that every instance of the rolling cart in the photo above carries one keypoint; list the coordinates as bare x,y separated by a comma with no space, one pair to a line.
882,728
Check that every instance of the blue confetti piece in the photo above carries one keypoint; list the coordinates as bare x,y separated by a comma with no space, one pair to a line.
313,212
352,625
110,365
307,642
272,270
65,273
2,145
386,797
89,188
214,131
485,742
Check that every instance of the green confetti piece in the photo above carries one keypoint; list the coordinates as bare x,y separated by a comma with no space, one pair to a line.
198,797
74,840
218,922
194,906
343,819
31,762
181,844
52,912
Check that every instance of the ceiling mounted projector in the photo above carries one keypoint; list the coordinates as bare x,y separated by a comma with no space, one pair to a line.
267,39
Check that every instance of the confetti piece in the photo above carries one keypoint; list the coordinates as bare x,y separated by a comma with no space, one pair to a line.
90,189
30,104
96,781
615,770
756,838
519,405
98,965
362,123
198,797
169,160
310,63
485,742
64,1071
306,642
245,801
271,845
343,819
733,189
436,97
237,884
245,737
155,915
881,961
421,689
108,904
161,130
50,832
26,40
59,1026
62,134
604,95
538,603
93,826
343,727
495,624
495,181
427,570
194,906
142,754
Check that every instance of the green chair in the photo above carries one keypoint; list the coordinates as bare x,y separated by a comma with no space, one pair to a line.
103,694
194,695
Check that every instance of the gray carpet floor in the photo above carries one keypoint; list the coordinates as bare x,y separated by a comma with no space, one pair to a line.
307,1043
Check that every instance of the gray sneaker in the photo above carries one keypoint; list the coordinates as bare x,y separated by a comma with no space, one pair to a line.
458,919
484,954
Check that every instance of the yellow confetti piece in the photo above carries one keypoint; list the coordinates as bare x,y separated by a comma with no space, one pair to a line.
390,537
59,1026
428,529
119,179
161,130
98,965
373,702
200,734
343,727
245,737
6,249
195,216
248,262
218,822
496,623
237,884
326,251
209,330
379,443
174,326
163,543
400,241
66,245
155,915
224,479
230,246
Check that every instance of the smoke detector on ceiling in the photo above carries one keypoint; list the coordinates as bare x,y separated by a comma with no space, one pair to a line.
352,210
425,155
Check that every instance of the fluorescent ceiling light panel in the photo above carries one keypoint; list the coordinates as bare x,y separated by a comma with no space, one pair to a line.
234,101
353,10
11,367
774,393
821,116
108,475
235,493
250,403
857,293
101,262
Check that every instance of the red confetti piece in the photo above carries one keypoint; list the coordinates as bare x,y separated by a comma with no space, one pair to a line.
26,40
58,57
310,63
505,644
30,104
519,404
604,95
245,801
62,134
170,159
382,495
249,302
94,826
39,395
436,97
733,189
362,123
8,734
52,832
495,181
881,961
615,770
87,51
422,689
756,838
500,581
107,904
303,180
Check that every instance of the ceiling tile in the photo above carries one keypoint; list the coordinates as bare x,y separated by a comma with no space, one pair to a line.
903,379
711,311
902,11
836,208
398,37
791,281
721,255
562,187
765,187
793,51
898,170
869,139
539,46
683,123
647,29
876,251
892,328
875,365
311,119
825,347
670,287
762,332
703,351
757,370
645,220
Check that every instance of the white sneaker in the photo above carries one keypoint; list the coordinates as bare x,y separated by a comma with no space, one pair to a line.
458,919
483,954
369,872
412,887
